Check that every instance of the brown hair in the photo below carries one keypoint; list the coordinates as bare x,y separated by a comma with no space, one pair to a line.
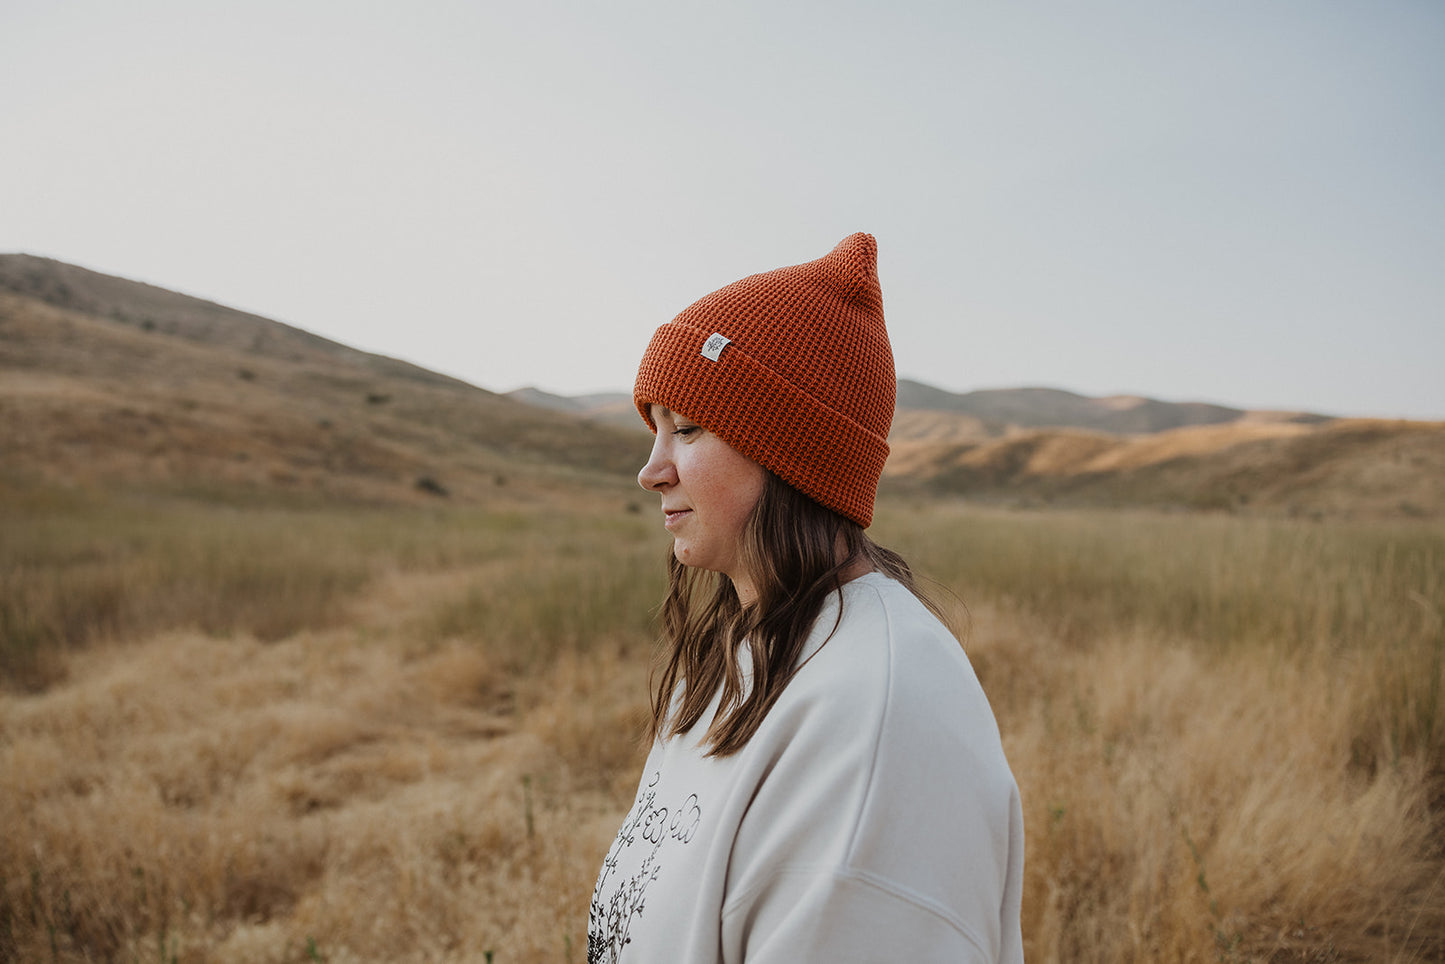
796,551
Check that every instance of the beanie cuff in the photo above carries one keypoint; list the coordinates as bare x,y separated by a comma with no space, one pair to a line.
739,399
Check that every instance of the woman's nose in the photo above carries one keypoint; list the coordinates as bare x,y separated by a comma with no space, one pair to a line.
659,470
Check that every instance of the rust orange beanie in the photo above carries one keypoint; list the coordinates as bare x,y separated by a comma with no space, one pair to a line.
793,369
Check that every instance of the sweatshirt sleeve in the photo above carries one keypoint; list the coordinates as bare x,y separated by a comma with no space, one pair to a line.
885,824
804,916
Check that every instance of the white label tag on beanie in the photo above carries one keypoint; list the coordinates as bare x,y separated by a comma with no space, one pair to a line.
713,347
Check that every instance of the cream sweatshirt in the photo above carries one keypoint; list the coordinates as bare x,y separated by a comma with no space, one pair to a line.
872,817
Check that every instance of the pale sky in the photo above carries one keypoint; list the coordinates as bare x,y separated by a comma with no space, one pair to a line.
1235,201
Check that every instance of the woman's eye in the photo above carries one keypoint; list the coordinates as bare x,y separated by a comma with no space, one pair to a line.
683,431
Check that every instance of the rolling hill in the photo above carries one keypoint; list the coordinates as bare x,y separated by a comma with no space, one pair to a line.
104,380
1347,468
107,381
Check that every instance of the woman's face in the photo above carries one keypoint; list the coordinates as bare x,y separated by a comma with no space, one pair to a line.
708,490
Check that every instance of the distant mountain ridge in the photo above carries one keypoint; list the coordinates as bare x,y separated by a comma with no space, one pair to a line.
611,407
1054,408
987,413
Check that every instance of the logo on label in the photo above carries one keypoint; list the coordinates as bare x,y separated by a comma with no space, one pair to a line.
713,347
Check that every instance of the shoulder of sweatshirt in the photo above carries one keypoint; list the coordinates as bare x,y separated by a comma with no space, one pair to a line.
894,691
889,652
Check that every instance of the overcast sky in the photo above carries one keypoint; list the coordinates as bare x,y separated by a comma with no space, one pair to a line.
1235,201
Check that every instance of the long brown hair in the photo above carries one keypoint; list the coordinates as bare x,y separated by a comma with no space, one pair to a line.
796,552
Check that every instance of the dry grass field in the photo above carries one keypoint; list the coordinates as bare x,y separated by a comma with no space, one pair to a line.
312,655
278,730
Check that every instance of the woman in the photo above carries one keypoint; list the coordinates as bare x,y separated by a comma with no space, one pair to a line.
826,781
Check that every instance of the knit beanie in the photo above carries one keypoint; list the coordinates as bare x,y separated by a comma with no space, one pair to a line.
793,369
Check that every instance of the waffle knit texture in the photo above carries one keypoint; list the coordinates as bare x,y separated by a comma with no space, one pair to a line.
805,384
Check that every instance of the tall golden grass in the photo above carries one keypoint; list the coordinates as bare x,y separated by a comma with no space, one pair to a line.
298,732
1228,732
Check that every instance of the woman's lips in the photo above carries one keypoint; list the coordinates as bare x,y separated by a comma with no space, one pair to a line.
672,517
